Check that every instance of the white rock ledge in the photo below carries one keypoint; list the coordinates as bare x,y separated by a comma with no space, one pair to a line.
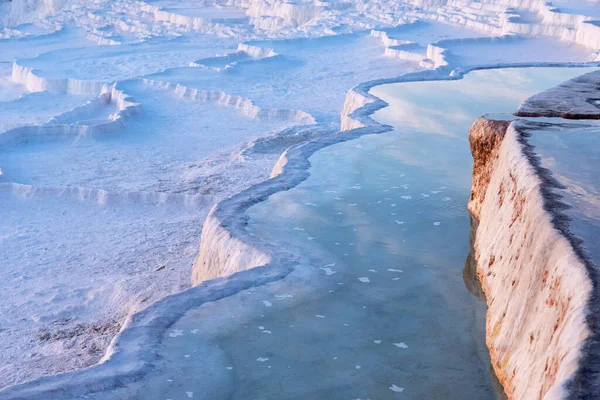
541,288
578,98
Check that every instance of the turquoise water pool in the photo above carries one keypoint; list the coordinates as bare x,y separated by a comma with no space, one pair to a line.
381,310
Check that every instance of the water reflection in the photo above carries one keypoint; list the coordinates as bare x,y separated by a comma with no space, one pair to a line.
397,202
473,285
470,277
384,309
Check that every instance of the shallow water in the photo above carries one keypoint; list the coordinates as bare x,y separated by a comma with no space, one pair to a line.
384,312
570,153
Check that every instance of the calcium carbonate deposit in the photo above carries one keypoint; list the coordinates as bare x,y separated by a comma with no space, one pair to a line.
135,135
536,251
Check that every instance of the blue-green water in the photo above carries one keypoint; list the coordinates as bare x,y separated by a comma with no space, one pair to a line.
398,201
386,314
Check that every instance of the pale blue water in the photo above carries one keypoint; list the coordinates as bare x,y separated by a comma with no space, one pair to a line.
570,153
388,316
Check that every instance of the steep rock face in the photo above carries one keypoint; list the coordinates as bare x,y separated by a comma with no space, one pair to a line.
536,286
485,138
222,254
354,101
540,283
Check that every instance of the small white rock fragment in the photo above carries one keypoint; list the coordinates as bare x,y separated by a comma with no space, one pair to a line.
402,345
364,279
328,271
396,389
283,296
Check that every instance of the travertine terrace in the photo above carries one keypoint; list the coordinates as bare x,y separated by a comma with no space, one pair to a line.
536,242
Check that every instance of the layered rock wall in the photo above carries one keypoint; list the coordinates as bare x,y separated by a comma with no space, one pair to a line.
541,287
536,285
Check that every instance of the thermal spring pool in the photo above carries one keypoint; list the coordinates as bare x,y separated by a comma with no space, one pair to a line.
377,308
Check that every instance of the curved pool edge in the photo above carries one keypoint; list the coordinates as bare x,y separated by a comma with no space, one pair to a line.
132,352
224,244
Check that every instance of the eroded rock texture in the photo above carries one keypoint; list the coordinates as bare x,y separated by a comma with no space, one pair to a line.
536,285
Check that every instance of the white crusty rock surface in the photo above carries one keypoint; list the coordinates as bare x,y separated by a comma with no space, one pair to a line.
124,122
539,282
578,98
